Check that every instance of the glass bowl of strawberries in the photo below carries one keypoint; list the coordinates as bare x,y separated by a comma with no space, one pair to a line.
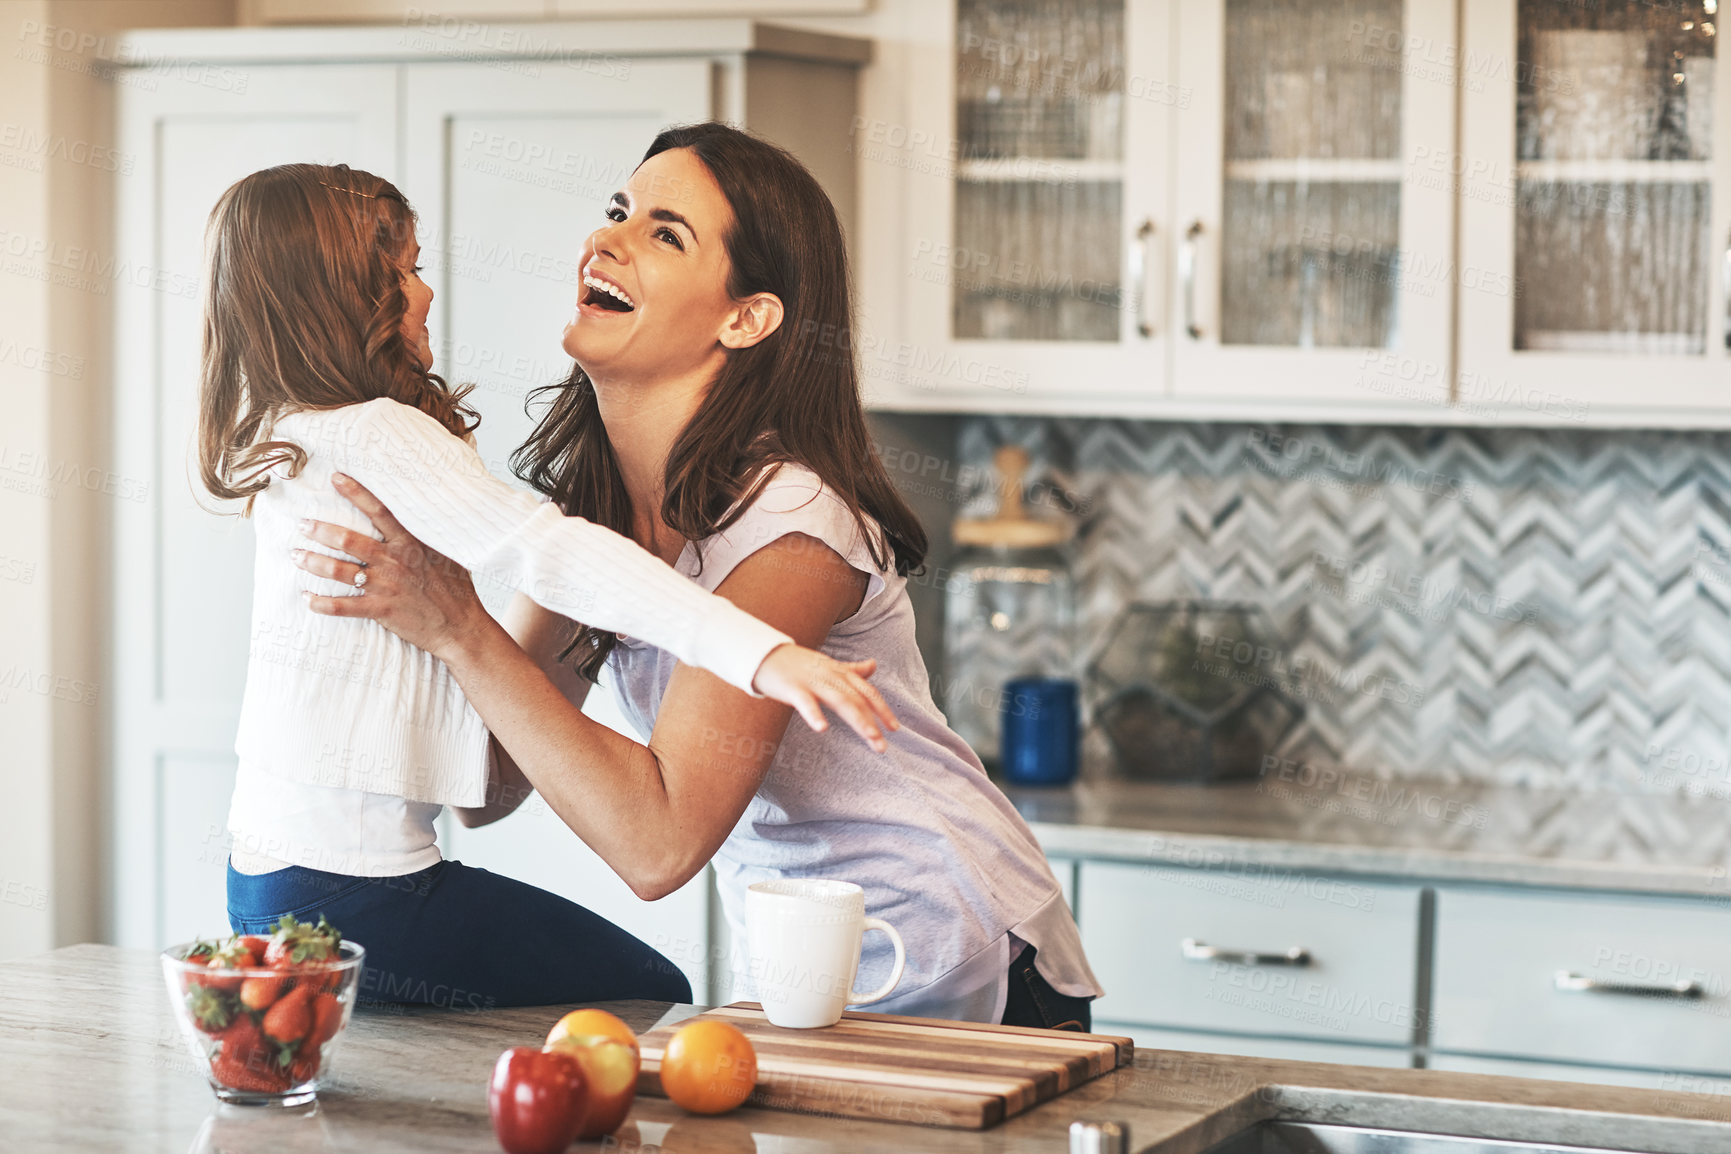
262,1012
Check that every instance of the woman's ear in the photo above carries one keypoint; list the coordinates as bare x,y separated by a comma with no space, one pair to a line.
751,321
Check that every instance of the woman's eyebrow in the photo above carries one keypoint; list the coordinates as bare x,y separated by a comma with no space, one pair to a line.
621,200
667,214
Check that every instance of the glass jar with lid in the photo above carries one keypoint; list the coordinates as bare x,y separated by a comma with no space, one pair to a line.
1010,609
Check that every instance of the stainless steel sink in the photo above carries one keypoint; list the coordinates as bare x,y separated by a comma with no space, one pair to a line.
1316,1138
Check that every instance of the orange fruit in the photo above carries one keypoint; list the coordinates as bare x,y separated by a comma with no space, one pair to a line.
591,1024
709,1067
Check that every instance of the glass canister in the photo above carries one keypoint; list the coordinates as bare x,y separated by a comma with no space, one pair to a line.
1009,610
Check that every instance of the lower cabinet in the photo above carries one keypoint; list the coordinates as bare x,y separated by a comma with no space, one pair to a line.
1270,953
1293,1049
1627,980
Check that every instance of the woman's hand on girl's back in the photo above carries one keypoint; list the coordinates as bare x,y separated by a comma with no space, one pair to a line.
419,594
809,681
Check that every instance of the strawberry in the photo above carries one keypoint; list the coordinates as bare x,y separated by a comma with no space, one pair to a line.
293,942
290,1018
198,954
255,946
305,1066
212,1010
230,955
262,991
327,1019
247,1060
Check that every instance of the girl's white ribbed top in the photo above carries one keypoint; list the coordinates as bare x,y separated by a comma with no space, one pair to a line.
343,703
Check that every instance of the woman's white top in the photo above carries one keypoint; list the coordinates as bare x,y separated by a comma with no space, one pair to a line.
351,738
941,853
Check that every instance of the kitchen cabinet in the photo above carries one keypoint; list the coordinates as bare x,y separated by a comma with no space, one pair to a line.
1162,209
1263,210
183,576
1555,978
509,160
462,17
1595,202
1536,982
1282,954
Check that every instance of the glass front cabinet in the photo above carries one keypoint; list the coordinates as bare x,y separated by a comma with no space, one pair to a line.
1507,211
1593,194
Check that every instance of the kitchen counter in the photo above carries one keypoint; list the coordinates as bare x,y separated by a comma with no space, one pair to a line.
93,1061
1301,819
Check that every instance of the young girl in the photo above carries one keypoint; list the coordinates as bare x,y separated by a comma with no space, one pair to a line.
714,416
316,364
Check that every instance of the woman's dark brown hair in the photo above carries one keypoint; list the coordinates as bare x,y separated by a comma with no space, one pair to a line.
792,397
303,309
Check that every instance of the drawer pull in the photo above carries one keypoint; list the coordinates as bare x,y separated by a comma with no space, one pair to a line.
1203,952
1575,983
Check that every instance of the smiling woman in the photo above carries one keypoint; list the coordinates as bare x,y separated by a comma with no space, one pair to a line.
317,362
704,422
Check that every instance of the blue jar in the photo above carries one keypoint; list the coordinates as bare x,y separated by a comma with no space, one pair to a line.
1039,734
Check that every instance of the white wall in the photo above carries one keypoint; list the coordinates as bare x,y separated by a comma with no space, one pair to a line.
56,487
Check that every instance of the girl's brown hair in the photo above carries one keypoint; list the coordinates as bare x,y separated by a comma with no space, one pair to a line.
794,396
303,309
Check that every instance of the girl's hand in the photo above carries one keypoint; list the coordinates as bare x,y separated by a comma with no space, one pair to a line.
808,680
420,595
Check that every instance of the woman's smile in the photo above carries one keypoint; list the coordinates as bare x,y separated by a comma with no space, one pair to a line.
654,291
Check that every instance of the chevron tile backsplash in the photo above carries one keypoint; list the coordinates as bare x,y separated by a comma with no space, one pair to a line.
1521,607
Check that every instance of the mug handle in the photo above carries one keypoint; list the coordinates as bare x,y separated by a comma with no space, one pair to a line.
857,999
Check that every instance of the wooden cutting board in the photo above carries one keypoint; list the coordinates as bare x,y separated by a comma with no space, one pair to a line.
965,1075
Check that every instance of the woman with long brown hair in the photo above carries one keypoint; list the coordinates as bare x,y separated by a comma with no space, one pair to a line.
316,365
714,417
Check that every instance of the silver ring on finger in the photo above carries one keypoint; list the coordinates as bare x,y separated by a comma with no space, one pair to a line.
361,579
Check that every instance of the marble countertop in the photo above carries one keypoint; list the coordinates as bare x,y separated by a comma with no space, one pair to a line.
1413,828
93,1061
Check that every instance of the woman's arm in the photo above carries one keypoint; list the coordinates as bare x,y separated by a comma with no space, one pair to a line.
655,813
541,634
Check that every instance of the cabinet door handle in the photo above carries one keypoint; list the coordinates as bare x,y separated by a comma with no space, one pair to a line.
1577,984
1141,268
1187,273
1725,280
1203,952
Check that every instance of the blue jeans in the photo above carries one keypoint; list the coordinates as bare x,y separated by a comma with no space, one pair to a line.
463,938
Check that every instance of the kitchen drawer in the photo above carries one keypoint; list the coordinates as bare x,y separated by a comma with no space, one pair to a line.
1718,1088
1293,1049
1361,940
1500,957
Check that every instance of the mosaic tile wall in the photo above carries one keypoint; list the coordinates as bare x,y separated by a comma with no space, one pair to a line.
1557,604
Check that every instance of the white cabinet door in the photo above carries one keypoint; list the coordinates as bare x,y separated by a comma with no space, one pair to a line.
511,168
1169,945
182,575
1592,184
1585,978
1314,254
1036,197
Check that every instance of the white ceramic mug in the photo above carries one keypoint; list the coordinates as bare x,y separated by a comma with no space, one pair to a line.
803,937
